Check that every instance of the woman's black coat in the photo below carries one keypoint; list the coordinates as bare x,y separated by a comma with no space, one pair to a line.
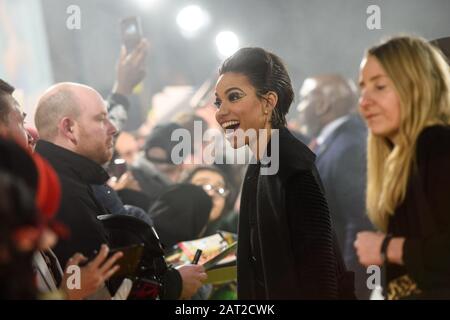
299,254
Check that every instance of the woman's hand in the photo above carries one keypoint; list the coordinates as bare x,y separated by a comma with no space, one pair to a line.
368,247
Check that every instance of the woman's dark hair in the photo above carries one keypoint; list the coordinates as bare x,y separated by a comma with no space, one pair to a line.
266,72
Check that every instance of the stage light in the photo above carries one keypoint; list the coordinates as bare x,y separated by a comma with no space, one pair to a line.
227,43
191,18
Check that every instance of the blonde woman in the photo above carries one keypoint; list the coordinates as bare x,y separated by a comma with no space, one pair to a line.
405,101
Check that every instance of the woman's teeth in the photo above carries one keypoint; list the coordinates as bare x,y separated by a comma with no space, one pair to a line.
230,124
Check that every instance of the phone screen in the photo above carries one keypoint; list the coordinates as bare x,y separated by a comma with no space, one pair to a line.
129,261
117,168
131,32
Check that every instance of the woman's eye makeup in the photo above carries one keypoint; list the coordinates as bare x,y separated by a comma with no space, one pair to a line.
233,96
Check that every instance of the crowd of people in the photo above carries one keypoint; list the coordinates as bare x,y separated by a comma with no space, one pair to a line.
360,180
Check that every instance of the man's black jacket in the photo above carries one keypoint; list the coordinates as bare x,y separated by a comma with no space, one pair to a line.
79,208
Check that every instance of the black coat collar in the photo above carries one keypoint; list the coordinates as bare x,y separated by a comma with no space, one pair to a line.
293,155
70,163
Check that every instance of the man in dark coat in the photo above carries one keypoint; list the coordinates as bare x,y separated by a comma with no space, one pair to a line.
76,149
77,138
339,141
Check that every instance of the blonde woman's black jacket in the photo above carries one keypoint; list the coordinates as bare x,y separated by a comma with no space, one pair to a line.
297,252
423,218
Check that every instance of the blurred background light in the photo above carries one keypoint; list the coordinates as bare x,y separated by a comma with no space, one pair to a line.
191,19
227,43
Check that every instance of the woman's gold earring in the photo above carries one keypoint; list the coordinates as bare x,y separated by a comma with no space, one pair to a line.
266,112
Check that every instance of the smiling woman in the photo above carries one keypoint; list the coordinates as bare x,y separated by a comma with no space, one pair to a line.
252,101
286,247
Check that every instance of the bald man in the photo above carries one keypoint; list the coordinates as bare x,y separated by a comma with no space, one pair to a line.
76,138
326,113
75,117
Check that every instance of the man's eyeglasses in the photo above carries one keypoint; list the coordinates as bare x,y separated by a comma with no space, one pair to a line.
220,191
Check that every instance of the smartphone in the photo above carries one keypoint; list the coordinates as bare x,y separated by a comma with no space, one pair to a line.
131,32
117,168
129,262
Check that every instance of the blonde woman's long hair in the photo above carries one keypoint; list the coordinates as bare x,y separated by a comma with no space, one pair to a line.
421,77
